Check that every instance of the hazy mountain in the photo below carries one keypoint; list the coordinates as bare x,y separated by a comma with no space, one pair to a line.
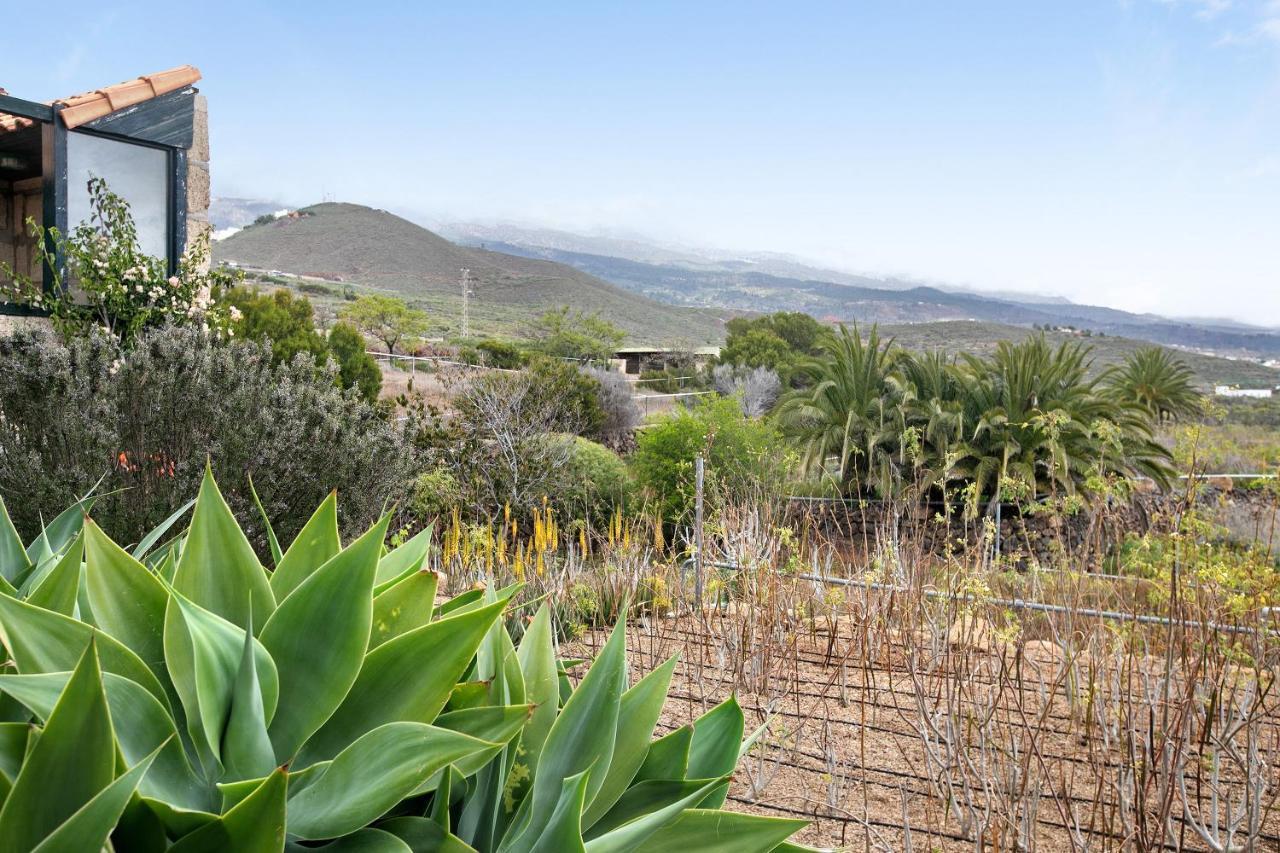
763,286
360,245
225,212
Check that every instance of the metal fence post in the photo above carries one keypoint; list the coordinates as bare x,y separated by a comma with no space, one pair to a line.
699,466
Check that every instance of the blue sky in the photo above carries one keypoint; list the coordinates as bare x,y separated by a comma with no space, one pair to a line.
1120,152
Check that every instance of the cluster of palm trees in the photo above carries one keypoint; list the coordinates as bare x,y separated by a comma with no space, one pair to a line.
1030,419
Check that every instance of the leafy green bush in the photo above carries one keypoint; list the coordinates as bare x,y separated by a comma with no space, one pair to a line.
741,454
501,354
356,368
147,419
285,321
215,705
595,480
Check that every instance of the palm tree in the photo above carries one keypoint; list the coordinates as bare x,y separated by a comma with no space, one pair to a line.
1036,419
1158,381
847,410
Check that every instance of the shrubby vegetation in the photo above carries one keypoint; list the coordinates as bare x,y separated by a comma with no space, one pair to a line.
742,455
144,420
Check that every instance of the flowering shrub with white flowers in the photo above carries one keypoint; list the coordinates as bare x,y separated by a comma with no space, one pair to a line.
109,282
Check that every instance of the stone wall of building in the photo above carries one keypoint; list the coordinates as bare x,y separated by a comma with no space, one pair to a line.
198,227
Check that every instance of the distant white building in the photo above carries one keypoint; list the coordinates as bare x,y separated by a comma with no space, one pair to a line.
1232,391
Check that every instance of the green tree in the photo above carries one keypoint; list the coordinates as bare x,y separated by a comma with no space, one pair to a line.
287,321
758,347
356,368
740,453
575,393
386,318
778,341
574,334
848,412
1158,381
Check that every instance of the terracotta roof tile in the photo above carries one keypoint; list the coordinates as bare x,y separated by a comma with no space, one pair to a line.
84,108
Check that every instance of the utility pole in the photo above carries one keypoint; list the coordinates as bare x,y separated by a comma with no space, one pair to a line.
466,302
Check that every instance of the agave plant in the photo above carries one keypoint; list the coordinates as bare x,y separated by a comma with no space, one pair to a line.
184,697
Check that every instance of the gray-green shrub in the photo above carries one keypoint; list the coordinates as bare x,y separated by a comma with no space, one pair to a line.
147,420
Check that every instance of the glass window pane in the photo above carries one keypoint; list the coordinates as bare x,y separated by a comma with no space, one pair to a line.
136,173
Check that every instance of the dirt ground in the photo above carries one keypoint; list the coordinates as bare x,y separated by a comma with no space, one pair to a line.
844,747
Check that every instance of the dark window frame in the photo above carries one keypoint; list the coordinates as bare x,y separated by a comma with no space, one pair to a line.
54,164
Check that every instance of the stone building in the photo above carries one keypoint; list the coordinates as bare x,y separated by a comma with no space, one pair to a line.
147,137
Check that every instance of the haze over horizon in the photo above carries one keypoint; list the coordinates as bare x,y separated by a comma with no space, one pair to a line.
1116,152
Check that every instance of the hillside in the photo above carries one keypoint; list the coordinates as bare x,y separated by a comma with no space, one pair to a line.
365,248
978,337
775,286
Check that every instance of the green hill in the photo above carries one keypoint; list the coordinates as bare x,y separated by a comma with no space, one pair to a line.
351,245
979,337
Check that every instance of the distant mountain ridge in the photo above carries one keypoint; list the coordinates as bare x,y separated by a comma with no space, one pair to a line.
765,285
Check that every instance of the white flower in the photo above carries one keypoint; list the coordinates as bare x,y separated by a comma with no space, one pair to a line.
114,368
173,281
235,313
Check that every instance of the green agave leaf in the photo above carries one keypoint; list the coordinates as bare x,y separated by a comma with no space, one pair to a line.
315,545
425,836
373,774
90,826
637,715
13,557
645,810
58,533
537,657
128,601
668,757
581,739
43,641
408,678
443,798
246,747
318,636
368,840
13,748
218,569
141,725
408,557
495,724
715,831
58,589
468,694
202,652
405,605
73,760
460,603
717,736
646,798
254,825
272,541
563,831
153,536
